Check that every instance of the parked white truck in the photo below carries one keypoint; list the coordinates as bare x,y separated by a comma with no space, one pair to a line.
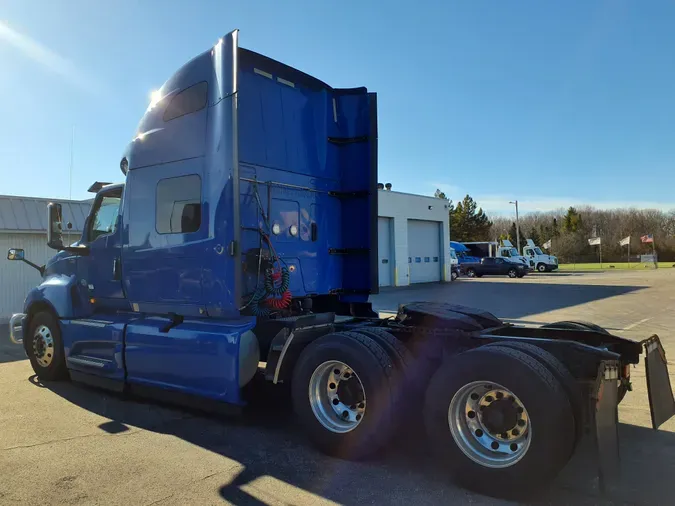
539,260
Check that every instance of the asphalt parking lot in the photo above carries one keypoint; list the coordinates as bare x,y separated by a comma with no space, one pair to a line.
65,444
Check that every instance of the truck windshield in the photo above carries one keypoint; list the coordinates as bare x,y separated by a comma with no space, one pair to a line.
538,251
513,252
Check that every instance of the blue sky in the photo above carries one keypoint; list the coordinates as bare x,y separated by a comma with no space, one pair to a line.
552,103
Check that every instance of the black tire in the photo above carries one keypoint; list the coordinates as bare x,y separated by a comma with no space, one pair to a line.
453,275
375,370
416,371
561,373
512,273
542,267
540,393
40,350
471,273
397,352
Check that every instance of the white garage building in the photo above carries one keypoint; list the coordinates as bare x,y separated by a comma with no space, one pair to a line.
413,239
23,224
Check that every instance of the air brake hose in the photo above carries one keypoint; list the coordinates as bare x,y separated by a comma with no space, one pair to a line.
282,302
270,282
256,308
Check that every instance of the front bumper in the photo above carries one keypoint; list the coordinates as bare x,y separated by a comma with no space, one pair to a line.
16,328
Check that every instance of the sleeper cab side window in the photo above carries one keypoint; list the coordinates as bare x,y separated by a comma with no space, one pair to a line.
189,100
179,205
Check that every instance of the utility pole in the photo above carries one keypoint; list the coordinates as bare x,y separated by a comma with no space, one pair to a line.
517,226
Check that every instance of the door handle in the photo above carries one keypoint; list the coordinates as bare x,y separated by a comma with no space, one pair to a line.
116,269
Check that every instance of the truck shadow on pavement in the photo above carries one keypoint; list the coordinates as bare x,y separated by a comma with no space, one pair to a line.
506,299
269,446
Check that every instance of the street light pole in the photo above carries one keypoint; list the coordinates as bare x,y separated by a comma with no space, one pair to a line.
517,225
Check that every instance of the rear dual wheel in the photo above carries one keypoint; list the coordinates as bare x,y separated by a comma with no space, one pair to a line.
500,419
344,394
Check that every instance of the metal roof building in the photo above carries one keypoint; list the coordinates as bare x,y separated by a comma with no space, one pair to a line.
23,224
26,214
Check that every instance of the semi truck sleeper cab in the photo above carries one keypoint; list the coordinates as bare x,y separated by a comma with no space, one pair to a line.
243,242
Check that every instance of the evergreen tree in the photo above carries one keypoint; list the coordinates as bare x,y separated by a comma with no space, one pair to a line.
469,222
572,220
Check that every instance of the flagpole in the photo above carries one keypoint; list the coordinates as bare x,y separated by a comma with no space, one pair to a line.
629,253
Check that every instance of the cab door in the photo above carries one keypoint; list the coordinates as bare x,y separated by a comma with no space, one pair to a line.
499,266
529,254
102,268
93,342
488,266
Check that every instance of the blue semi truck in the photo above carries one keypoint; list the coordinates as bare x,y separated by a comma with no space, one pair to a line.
243,245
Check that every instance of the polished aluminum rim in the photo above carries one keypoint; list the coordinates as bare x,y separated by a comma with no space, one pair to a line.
43,345
337,397
489,424
512,273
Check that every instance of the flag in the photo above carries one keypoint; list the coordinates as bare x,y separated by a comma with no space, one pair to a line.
595,241
547,244
625,241
647,238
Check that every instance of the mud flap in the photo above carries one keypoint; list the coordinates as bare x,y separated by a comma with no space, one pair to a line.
607,424
661,402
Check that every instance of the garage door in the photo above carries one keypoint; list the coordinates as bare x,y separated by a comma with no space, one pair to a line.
384,249
424,251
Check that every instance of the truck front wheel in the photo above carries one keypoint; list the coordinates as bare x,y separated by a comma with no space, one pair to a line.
44,347
500,420
541,267
343,396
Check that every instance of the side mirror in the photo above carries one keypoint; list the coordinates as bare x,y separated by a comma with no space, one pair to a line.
54,231
15,254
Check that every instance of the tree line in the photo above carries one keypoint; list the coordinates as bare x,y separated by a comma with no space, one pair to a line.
570,229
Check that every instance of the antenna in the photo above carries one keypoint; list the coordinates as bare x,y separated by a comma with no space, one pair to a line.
70,172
